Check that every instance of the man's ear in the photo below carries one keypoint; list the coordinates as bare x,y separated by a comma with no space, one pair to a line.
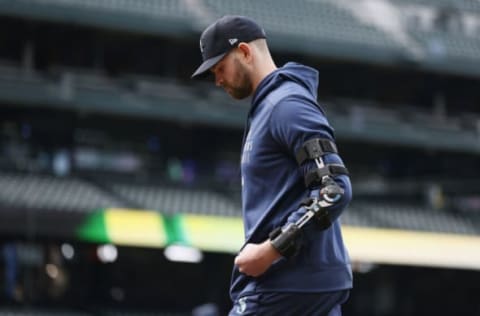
246,51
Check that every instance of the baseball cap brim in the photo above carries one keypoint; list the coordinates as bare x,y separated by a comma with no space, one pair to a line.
207,64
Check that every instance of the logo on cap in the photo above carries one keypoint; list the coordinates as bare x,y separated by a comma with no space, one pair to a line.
232,41
202,47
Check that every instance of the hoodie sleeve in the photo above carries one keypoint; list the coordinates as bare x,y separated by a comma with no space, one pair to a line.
294,121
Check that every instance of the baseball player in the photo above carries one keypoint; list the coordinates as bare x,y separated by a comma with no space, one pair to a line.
294,183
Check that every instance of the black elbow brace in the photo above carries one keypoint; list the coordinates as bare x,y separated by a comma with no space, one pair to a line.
286,239
314,149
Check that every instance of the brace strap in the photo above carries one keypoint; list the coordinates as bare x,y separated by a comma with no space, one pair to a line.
286,241
315,148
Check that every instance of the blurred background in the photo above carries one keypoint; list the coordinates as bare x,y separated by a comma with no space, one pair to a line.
119,179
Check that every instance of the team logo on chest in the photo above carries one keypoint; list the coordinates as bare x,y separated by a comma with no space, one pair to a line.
247,148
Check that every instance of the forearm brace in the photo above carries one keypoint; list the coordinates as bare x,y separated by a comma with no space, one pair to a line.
285,239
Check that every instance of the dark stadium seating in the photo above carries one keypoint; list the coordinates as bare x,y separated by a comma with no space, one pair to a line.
174,200
322,27
309,21
408,217
465,5
47,192
72,194
40,312
167,99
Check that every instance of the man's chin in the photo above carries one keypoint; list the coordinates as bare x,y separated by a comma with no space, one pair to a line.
238,95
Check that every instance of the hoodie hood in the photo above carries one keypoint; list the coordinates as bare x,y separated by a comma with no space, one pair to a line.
303,75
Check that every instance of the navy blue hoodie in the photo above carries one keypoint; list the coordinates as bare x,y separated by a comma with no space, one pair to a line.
283,115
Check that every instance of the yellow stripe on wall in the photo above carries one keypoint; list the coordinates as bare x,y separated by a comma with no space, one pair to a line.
375,245
214,233
394,246
135,228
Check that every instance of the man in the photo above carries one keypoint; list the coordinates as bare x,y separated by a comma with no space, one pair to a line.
288,159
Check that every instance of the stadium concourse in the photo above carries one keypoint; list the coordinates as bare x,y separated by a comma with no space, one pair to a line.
119,180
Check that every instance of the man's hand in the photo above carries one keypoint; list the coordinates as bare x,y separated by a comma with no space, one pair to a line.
255,259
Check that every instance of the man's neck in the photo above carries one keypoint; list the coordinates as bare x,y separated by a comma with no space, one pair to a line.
263,70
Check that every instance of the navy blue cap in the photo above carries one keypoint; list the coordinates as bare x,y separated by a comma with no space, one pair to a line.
222,36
